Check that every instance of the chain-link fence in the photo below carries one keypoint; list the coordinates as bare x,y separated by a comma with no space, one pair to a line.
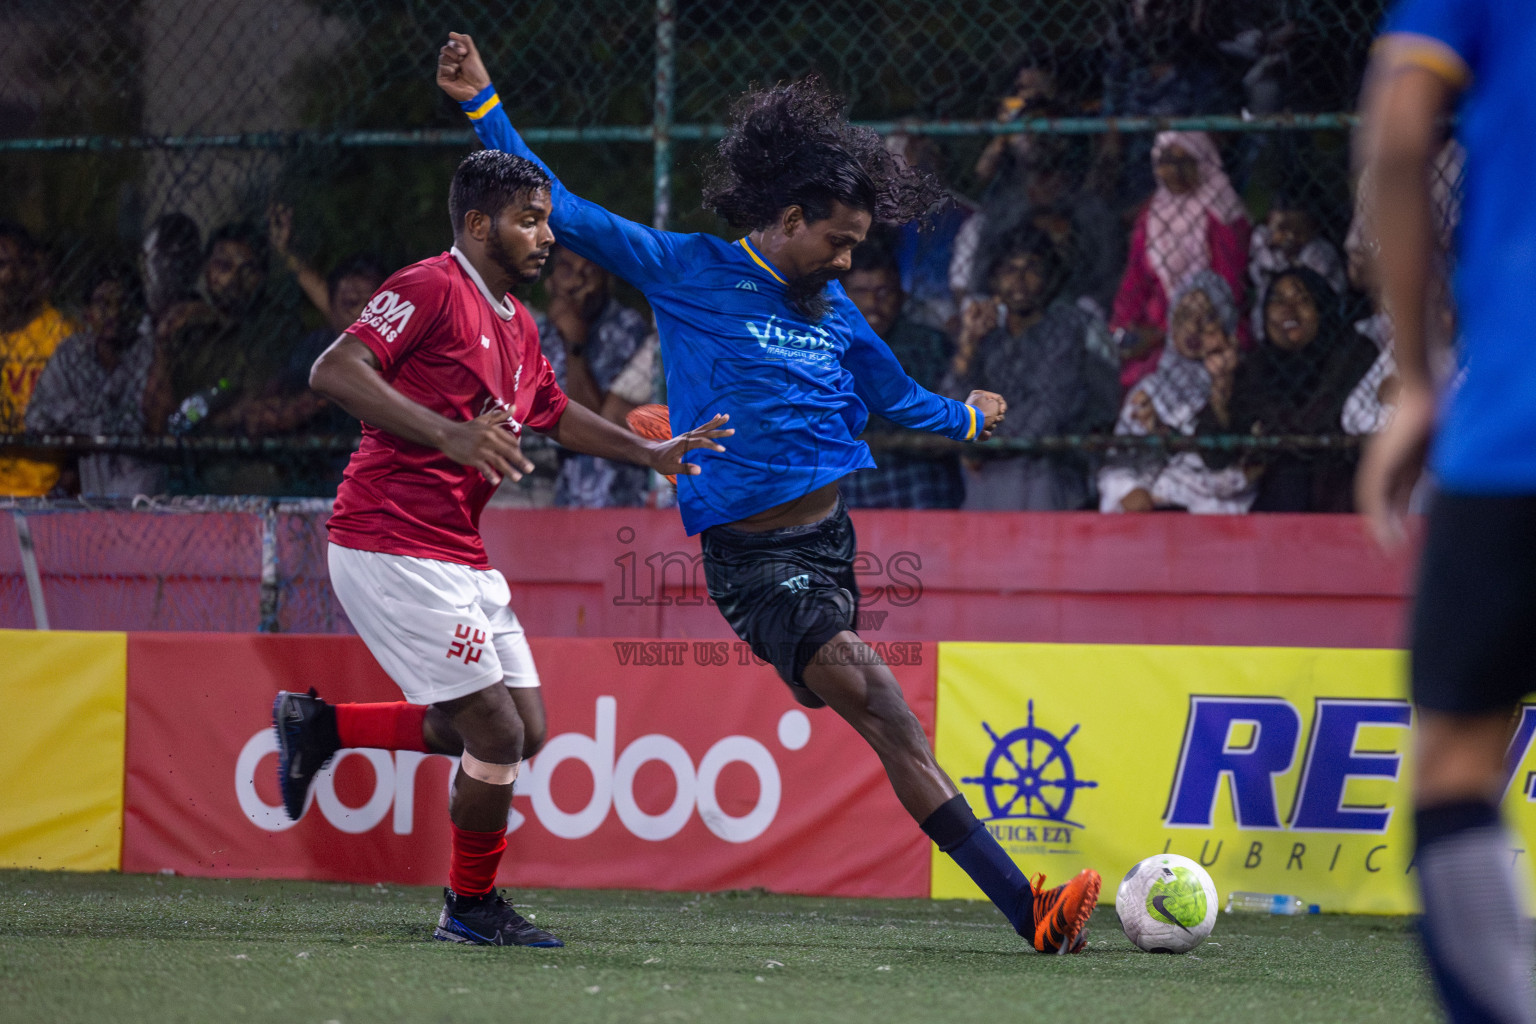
200,564
1142,283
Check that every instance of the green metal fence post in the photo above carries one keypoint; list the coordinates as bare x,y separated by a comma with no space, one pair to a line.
666,85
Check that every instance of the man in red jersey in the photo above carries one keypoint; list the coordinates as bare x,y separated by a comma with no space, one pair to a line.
445,371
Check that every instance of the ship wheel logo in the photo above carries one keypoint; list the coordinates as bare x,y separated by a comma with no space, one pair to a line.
1029,774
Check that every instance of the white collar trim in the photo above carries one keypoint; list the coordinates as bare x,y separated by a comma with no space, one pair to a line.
504,308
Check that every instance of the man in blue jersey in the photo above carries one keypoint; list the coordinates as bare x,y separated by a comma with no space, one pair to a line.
1474,645
759,329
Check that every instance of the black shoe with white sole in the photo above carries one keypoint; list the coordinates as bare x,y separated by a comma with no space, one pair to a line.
306,740
488,920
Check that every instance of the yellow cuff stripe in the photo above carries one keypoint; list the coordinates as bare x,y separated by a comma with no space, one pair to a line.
760,261
1408,50
971,434
484,108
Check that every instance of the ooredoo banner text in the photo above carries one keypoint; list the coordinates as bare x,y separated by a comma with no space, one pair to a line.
664,769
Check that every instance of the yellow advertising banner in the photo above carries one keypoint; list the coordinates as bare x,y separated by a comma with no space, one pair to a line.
61,749
1282,770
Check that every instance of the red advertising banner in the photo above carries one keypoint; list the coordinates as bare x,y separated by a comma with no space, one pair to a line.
670,765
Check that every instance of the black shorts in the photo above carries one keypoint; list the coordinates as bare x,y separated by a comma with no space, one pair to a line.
1474,621
786,592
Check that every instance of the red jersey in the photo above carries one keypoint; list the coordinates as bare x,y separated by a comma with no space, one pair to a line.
444,343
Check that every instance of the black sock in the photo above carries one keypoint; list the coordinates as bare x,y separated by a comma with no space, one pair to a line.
956,830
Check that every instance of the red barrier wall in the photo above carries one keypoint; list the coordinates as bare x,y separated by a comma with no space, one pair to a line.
1069,577
681,775
1272,580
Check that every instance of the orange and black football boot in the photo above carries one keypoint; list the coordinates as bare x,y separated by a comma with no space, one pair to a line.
1062,913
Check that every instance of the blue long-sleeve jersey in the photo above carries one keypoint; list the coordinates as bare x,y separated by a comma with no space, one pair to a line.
798,393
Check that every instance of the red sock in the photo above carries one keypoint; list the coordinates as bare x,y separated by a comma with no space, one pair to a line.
476,856
395,726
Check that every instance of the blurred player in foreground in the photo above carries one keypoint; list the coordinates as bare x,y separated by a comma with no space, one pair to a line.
445,371
1474,623
760,329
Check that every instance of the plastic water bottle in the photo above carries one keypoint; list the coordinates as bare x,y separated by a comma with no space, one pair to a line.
1268,903
196,407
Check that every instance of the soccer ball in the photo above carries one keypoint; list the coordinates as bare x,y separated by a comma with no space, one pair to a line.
1167,904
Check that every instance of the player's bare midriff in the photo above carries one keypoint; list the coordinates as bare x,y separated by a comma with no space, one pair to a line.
808,508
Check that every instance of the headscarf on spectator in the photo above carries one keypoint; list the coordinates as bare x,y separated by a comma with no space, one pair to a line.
1304,391
1177,246
1180,386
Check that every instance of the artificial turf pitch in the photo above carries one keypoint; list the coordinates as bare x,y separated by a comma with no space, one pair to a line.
163,949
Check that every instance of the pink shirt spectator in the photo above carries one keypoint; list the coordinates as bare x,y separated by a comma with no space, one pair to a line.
1178,235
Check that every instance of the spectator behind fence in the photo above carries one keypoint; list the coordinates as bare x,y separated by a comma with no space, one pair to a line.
1296,382
170,260
639,383
1161,61
1086,233
317,289
286,404
1202,336
30,330
1289,238
1194,222
94,384
1039,178
588,336
1369,407
924,248
227,349
1039,355
901,480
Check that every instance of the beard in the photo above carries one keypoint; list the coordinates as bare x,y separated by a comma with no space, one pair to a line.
498,254
234,302
807,295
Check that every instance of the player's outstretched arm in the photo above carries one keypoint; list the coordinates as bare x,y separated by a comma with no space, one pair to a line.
883,386
348,374
639,254
582,430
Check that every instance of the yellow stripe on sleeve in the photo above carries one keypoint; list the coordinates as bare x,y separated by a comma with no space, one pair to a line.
1406,49
484,108
971,435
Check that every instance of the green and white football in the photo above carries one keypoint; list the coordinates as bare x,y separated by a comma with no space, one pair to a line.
1167,904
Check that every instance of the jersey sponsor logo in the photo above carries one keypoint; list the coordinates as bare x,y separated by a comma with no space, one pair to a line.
796,584
492,402
789,340
746,286
388,314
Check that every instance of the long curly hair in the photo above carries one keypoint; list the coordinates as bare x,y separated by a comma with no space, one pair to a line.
791,145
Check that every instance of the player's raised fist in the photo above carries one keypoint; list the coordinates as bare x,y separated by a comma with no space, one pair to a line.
460,71
992,408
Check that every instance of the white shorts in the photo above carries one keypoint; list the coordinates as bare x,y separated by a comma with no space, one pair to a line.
441,630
